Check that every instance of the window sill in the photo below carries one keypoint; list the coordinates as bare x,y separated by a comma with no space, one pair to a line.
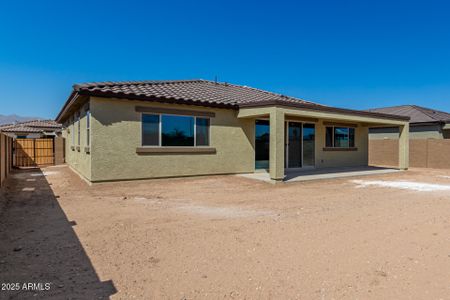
340,149
175,150
78,148
72,148
87,149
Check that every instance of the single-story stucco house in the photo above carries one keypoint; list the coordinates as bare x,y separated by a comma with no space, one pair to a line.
153,129
425,123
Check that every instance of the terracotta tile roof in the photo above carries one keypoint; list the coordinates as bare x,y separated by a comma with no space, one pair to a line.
194,92
417,114
6,125
34,126
199,91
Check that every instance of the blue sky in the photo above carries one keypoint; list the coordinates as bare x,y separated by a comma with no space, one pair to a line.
353,54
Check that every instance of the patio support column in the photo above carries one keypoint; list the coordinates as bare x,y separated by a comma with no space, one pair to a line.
276,160
403,147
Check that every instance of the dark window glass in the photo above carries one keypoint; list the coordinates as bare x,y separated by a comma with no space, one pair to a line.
177,131
202,132
150,130
262,141
351,137
294,148
329,137
309,134
340,137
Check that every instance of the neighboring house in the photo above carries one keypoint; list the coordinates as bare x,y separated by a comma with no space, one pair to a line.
151,129
32,129
425,123
36,143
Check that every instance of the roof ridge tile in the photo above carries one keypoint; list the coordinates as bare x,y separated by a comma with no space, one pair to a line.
79,86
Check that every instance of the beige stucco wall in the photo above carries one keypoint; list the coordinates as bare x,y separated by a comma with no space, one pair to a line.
325,159
76,156
116,133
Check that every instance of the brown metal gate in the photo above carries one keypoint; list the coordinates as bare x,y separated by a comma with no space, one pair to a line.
33,152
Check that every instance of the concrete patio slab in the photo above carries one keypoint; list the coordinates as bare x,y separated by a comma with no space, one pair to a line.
317,174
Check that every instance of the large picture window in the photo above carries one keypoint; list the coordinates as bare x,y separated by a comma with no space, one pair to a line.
340,137
177,131
174,130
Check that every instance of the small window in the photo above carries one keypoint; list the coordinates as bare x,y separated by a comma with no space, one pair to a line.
150,130
174,130
88,128
351,137
202,132
340,137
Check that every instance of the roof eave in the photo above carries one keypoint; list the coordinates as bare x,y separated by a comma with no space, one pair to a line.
324,108
427,123
72,97
155,99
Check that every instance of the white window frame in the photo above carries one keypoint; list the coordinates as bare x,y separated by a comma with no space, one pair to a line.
332,137
73,130
88,128
177,115
78,129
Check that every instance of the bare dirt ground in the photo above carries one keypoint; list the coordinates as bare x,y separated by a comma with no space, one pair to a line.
227,237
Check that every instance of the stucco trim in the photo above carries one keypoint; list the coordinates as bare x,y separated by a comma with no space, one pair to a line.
176,150
340,149
174,111
340,124
301,119
322,108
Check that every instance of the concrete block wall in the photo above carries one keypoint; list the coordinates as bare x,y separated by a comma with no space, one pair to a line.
423,153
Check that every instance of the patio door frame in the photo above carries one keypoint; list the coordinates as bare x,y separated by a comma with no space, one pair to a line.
286,147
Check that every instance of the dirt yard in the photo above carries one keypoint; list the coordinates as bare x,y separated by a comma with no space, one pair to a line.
227,237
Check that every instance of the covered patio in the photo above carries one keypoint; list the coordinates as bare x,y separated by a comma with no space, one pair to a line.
328,153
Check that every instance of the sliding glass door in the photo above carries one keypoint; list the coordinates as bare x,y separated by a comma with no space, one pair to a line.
299,142
262,141
294,145
300,145
309,140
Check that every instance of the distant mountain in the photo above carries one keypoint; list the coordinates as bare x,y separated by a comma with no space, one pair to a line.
15,118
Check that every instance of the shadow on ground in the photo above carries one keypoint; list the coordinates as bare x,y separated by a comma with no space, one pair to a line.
38,245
